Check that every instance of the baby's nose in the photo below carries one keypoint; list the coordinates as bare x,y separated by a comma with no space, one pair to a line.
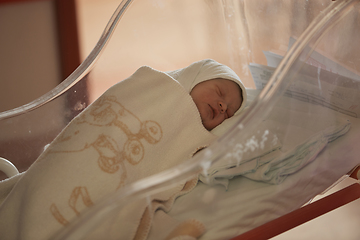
222,106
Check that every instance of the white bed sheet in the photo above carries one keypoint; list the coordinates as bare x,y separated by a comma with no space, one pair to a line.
247,204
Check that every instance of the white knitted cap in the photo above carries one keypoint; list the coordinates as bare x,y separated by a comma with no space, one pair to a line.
203,70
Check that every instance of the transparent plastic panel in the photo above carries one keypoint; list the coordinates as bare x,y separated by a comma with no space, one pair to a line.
170,35
297,136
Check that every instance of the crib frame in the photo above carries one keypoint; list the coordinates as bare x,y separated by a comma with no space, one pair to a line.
306,213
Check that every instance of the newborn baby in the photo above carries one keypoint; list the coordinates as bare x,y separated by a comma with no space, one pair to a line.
217,100
118,140
215,89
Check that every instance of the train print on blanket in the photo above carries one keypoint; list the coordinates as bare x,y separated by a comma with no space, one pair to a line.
112,149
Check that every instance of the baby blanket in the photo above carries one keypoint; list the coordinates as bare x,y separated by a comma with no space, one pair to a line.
143,125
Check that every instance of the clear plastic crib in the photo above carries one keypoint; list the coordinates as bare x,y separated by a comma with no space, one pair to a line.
301,64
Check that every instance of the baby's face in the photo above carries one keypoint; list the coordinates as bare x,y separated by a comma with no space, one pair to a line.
216,100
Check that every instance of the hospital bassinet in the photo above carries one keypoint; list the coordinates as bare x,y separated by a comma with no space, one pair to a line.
300,61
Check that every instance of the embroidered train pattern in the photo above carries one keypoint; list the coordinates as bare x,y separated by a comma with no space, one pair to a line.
106,113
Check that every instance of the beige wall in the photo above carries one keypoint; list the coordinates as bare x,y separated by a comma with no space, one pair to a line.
29,63
168,35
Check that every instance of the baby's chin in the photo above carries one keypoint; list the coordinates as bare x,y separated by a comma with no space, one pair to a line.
209,125
205,120
205,124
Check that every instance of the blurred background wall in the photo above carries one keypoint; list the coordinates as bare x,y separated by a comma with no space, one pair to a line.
28,52
38,49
